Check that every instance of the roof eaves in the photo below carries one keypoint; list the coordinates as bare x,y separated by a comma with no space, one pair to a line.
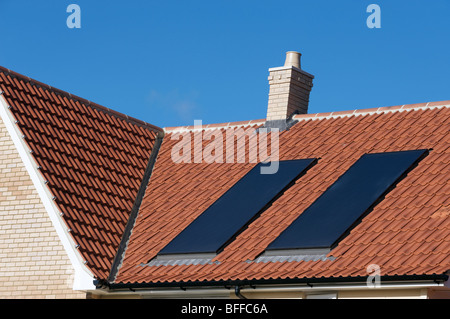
272,281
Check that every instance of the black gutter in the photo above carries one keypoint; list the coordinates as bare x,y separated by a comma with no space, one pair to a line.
135,210
252,282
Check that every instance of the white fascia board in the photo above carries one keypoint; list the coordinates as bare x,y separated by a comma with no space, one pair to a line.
84,278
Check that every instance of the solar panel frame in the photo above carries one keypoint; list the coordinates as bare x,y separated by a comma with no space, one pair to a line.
229,215
316,228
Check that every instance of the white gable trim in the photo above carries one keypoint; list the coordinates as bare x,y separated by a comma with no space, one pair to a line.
83,279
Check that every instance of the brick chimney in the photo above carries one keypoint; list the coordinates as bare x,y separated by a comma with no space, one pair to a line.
289,91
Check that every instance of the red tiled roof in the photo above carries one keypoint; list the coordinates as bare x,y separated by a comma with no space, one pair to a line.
407,233
92,157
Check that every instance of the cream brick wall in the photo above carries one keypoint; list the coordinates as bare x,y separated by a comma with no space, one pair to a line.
33,263
289,92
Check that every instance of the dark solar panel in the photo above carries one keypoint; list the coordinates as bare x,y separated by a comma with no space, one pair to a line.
334,213
233,211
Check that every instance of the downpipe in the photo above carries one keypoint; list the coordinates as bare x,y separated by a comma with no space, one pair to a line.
237,292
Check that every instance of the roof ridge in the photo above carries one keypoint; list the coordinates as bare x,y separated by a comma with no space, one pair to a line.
94,105
367,111
376,110
182,128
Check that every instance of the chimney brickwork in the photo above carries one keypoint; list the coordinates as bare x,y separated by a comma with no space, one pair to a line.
289,90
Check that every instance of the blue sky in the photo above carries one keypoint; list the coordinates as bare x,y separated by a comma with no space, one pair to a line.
170,62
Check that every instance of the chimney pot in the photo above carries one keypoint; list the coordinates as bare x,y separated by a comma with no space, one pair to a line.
293,59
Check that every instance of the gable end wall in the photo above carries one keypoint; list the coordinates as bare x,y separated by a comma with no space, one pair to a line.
33,262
